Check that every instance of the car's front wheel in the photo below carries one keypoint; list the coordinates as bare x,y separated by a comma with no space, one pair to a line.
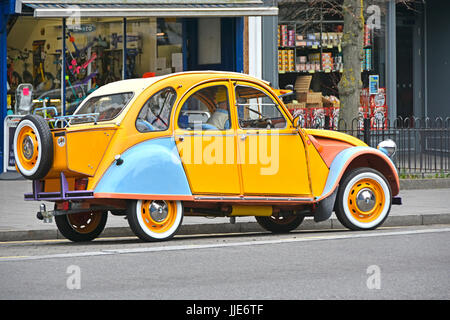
155,220
280,223
363,199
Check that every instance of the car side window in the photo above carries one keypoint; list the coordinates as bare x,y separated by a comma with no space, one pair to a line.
257,110
206,109
155,113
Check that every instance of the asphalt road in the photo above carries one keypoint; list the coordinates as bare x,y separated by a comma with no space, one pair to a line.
388,263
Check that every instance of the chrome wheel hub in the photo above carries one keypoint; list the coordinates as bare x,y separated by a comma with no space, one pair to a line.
27,148
158,211
365,200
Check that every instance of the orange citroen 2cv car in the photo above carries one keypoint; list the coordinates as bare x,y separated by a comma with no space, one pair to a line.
198,143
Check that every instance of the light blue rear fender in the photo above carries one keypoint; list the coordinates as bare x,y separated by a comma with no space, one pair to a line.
150,168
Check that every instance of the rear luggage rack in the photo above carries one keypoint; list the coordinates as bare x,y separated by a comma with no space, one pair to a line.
56,121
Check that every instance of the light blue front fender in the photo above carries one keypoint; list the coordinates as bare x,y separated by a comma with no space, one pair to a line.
344,158
150,168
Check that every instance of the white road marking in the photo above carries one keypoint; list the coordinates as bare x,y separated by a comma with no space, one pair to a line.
222,245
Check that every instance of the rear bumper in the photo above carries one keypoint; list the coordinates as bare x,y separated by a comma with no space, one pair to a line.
65,194
58,196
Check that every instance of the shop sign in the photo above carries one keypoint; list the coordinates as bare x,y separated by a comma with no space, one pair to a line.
374,81
81,28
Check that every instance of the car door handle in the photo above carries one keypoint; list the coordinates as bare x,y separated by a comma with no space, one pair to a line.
243,137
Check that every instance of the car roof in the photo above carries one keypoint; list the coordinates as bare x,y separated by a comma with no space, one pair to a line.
138,85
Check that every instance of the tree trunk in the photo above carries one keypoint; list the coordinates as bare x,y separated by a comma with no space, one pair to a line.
352,48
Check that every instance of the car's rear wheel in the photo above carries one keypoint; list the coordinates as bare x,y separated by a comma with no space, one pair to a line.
80,227
280,223
155,220
33,147
363,199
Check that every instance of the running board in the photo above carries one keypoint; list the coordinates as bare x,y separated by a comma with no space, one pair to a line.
254,199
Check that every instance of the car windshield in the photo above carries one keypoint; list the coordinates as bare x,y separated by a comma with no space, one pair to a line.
102,108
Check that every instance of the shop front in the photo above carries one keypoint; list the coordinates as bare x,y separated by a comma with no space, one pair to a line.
55,53
310,57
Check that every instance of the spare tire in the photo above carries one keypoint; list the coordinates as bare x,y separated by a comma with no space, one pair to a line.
33,147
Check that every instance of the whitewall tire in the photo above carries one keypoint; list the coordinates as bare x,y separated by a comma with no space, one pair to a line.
363,200
155,220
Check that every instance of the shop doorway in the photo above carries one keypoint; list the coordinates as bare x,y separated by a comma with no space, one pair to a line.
210,44
405,84
410,65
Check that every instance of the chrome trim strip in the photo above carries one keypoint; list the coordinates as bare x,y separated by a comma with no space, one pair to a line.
250,198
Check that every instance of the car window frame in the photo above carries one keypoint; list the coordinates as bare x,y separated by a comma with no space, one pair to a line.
83,103
259,88
193,90
168,118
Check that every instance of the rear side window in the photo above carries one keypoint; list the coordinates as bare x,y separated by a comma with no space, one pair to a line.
155,113
102,108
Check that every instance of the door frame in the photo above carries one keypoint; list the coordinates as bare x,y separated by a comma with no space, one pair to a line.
288,130
181,133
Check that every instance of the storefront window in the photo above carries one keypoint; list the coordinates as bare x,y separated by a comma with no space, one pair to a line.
94,57
169,39
34,64
310,57
154,47
141,47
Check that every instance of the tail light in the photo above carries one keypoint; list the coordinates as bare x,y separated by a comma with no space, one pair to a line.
81,184
65,205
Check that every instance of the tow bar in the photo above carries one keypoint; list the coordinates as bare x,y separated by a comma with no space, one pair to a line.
43,214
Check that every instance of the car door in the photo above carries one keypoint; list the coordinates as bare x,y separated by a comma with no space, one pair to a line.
205,138
270,150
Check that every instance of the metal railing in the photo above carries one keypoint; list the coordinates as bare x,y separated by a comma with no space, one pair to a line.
423,145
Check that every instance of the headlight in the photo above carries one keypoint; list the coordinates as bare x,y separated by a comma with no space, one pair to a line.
388,147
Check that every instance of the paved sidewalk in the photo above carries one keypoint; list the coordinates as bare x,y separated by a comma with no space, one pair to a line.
18,217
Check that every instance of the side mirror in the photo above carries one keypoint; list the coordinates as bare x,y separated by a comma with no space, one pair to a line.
289,87
297,121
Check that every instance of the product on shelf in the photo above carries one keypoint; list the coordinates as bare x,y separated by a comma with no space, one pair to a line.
367,36
367,60
304,95
286,61
326,115
327,61
279,35
291,38
316,51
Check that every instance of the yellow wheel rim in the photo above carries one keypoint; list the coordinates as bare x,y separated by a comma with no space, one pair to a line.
84,222
27,148
159,215
366,200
